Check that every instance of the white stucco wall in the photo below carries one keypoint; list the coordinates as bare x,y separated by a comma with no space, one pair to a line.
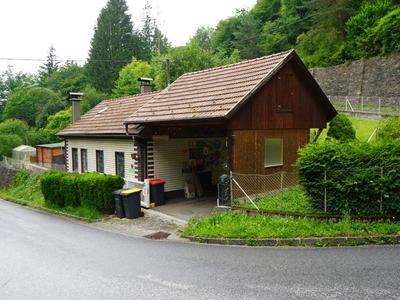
109,147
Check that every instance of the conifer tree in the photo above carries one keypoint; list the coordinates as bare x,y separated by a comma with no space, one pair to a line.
112,45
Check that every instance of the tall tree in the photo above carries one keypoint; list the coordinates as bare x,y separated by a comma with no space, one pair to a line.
51,65
204,37
112,45
247,37
127,83
155,42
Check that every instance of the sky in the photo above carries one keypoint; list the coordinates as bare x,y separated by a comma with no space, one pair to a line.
28,28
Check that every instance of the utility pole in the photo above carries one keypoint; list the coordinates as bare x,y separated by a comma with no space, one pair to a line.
168,80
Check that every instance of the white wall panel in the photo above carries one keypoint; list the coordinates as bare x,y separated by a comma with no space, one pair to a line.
171,160
109,146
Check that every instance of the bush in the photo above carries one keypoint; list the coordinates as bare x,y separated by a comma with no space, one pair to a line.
51,187
92,190
358,177
95,190
341,129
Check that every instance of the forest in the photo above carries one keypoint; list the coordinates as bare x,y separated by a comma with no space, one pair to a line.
33,107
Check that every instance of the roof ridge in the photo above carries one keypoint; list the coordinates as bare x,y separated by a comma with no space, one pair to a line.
239,63
133,96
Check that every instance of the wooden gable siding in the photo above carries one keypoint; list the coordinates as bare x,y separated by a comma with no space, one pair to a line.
287,101
109,147
247,152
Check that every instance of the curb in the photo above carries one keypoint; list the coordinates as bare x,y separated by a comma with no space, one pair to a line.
296,242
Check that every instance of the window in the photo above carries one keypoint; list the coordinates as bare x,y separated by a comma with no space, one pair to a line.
273,152
120,164
84,160
74,160
100,161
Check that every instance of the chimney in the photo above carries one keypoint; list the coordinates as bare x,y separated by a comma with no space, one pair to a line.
76,105
145,86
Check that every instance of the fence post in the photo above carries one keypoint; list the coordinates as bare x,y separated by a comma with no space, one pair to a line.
325,205
362,103
379,104
380,207
230,187
281,190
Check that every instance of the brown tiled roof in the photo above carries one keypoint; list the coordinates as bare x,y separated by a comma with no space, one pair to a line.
107,118
211,93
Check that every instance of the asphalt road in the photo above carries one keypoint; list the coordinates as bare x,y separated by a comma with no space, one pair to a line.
49,257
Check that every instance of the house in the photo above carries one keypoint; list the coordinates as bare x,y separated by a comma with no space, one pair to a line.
250,117
50,154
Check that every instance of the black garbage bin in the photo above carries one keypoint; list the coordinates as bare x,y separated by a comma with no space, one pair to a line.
119,205
157,191
131,200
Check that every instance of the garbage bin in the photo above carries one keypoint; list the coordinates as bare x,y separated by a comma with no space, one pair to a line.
157,191
119,205
131,200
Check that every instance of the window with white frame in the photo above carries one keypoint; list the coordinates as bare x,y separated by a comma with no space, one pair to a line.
100,161
84,163
120,164
74,160
273,152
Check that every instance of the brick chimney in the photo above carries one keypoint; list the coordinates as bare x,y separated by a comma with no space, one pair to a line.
145,85
76,105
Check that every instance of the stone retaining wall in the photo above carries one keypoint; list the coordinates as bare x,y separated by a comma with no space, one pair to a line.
6,176
370,77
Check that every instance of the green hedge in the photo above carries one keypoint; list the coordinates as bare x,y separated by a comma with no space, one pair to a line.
88,189
361,178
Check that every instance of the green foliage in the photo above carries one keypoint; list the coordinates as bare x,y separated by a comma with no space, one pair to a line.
389,129
293,200
21,178
361,178
234,225
341,129
51,65
51,187
112,45
56,123
127,83
95,190
92,190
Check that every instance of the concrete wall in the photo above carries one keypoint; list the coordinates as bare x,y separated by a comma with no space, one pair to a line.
369,77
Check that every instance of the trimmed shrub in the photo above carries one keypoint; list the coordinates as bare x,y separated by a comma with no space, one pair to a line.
88,189
341,129
69,191
95,190
50,183
361,178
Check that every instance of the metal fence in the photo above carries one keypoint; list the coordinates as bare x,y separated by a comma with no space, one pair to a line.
33,167
243,188
375,187
372,104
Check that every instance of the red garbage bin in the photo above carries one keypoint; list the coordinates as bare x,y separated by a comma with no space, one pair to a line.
157,191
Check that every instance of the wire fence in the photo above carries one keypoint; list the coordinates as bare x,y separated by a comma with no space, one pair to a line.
370,191
372,104
36,168
366,191
244,188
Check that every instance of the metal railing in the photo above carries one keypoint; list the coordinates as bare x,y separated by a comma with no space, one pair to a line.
371,104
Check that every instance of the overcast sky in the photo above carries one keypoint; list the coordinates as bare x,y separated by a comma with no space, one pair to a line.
29,27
